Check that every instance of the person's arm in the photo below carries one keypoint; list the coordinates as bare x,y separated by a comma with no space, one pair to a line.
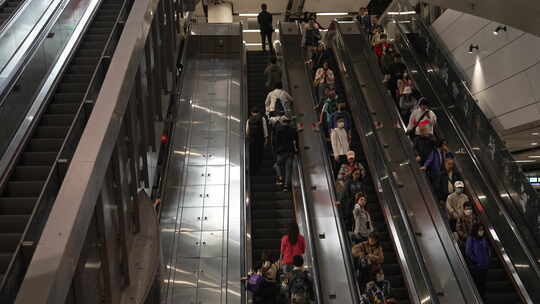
449,208
321,116
333,141
428,161
318,76
303,43
379,255
288,96
265,130
412,122
260,21
267,102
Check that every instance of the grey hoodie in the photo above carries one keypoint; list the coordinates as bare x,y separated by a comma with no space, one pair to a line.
362,220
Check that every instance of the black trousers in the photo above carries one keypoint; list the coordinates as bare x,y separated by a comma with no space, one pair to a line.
267,36
205,9
256,154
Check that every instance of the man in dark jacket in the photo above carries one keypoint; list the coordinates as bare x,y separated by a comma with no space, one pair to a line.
265,25
424,144
285,145
257,136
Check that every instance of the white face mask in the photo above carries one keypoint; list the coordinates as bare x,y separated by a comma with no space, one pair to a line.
341,125
481,233
459,190
467,212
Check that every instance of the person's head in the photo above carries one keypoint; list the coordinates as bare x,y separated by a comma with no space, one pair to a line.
279,85
298,261
449,164
273,60
459,187
257,266
379,275
293,233
325,65
327,91
362,11
255,111
311,21
332,93
373,239
356,174
397,57
351,157
478,231
441,144
468,209
423,104
361,199
266,257
390,50
264,7
341,123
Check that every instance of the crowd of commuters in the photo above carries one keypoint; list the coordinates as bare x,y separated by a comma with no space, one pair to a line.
434,156
274,127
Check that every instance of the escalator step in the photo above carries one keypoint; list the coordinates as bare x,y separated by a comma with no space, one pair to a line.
57,119
273,213
272,204
17,205
266,243
270,196
9,241
31,173
90,53
68,97
74,87
86,60
23,188
38,158
50,132
45,145
81,69
272,223
62,108
13,223
268,233
5,259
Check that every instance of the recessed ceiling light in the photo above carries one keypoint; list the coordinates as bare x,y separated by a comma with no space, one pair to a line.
535,133
534,144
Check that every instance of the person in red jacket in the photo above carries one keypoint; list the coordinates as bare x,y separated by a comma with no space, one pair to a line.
292,244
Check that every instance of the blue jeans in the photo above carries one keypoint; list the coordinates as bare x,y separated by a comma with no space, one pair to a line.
283,165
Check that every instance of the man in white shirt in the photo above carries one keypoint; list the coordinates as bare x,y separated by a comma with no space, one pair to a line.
340,142
274,110
422,117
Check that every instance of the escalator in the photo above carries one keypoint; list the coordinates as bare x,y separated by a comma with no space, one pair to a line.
391,267
8,8
385,142
271,209
35,168
514,274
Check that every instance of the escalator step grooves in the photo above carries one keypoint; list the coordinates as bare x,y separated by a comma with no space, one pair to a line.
272,211
26,182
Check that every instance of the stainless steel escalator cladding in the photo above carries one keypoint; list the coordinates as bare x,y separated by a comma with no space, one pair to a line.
441,254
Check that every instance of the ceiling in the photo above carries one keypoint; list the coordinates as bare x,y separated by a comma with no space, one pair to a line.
521,14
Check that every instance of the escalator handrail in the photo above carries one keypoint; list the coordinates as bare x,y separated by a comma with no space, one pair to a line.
44,203
492,193
410,235
303,197
245,216
497,143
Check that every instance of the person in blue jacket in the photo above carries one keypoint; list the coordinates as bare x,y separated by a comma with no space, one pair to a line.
478,253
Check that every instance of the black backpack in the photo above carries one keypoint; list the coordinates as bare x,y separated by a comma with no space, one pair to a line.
256,127
299,285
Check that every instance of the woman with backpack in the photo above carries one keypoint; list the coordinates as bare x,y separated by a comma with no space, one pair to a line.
299,284
292,244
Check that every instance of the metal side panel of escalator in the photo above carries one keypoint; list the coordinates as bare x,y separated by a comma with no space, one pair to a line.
375,111
29,187
514,272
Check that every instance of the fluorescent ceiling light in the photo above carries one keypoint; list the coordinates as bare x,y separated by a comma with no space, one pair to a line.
535,133
332,14
525,161
534,156
257,31
534,144
402,13
255,44
248,14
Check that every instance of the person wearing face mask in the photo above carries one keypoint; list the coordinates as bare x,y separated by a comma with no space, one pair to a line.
340,143
347,168
478,253
455,203
363,226
466,222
